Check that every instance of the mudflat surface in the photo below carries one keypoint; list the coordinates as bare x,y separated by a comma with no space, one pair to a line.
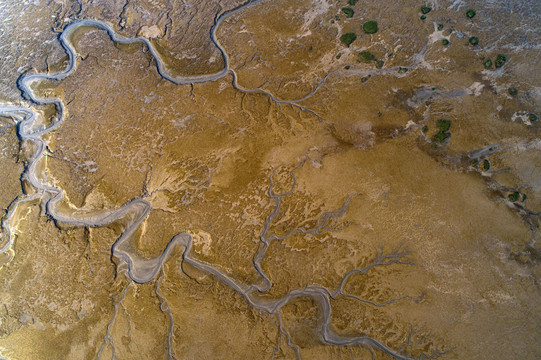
307,179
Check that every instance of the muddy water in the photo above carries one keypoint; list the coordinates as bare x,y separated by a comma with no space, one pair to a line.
304,201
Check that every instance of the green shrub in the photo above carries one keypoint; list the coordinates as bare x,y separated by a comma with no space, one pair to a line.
487,64
500,60
348,11
474,40
425,9
445,42
514,196
348,38
441,136
443,133
512,91
367,56
370,27
470,13
352,2
443,125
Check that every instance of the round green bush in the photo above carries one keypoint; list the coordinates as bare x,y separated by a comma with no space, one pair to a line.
348,11
443,124
500,60
425,9
470,13
348,38
370,27
366,56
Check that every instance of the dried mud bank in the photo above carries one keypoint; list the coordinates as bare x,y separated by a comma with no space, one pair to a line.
334,187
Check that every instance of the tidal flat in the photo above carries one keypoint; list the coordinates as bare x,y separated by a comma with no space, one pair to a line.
270,179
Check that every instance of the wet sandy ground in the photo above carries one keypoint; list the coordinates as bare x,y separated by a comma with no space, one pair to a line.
305,201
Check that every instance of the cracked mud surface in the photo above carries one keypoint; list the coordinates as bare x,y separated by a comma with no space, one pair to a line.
224,180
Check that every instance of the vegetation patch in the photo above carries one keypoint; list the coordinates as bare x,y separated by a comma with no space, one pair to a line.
348,11
474,40
402,70
445,42
443,125
366,56
500,60
486,165
512,91
470,13
423,17
514,196
348,38
370,27
532,117
425,9
440,27
443,134
487,64
352,2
